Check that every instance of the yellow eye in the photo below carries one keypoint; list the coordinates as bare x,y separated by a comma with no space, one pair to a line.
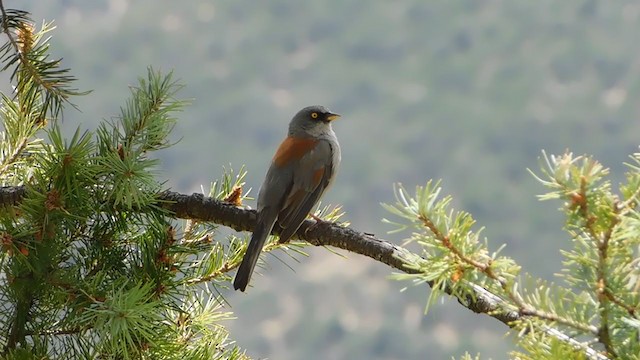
314,115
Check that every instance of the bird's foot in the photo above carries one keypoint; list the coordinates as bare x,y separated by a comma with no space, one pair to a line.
319,222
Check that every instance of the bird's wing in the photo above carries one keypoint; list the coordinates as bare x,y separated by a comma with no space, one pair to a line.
311,178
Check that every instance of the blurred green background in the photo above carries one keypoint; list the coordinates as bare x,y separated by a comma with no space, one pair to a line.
466,91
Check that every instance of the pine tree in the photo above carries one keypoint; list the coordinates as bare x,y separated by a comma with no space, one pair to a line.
92,267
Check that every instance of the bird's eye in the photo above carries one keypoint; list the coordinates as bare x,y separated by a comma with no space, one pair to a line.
314,115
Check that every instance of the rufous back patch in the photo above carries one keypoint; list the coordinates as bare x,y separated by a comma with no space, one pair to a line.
293,149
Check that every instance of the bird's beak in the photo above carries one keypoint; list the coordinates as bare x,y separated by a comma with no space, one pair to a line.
331,116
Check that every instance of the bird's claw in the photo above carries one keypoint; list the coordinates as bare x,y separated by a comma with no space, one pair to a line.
319,222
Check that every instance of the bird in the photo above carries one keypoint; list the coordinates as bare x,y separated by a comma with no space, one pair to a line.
301,170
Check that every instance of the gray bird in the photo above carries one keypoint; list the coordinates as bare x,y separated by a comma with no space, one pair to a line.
301,170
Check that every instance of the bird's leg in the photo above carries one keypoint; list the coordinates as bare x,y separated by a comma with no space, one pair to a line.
319,222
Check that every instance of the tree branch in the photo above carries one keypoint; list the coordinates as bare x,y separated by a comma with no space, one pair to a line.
201,208
7,30
11,195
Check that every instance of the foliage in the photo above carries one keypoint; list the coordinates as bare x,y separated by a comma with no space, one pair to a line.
92,267
598,300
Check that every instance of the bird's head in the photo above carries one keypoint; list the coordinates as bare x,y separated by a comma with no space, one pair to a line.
312,120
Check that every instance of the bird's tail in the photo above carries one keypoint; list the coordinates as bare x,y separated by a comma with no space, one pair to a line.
260,234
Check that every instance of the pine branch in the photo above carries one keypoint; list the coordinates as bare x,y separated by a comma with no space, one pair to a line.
201,208
18,328
41,83
6,27
11,195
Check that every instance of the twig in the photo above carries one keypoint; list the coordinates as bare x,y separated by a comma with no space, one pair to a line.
522,307
7,31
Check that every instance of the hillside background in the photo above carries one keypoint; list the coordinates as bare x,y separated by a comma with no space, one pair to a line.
469,92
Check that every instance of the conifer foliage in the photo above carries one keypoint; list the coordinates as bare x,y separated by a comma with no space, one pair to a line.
91,266
592,312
